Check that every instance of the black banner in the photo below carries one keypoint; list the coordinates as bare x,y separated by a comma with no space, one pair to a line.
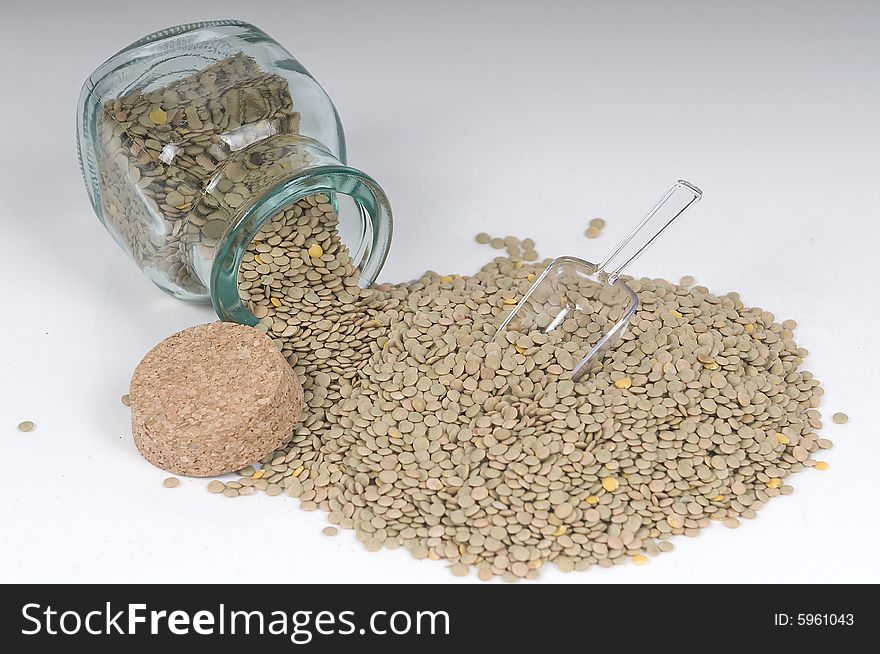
434,618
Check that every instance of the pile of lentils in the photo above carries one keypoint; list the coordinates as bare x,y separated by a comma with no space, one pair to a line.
421,431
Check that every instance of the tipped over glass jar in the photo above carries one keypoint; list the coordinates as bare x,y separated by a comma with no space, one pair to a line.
191,139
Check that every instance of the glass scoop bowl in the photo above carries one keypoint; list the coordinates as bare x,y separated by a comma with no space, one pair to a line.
588,302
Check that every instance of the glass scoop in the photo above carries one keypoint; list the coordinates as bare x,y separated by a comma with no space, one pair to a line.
589,302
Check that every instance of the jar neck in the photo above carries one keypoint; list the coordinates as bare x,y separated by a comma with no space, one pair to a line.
267,178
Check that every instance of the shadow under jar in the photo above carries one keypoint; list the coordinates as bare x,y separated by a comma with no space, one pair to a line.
193,138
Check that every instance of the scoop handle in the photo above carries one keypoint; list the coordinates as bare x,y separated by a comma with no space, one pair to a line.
674,202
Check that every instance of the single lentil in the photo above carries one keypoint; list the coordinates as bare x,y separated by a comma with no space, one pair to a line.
459,569
610,484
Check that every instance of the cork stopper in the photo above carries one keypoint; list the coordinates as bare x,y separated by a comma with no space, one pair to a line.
213,399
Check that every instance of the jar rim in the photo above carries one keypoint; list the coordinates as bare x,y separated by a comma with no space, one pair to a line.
177,30
339,179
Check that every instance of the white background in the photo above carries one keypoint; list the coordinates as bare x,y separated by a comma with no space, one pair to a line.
519,118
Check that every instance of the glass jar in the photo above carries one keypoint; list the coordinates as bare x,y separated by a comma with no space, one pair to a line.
193,138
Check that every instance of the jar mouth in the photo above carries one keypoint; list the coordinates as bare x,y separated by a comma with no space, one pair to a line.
375,236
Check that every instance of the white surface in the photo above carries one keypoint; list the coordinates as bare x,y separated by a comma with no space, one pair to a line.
526,119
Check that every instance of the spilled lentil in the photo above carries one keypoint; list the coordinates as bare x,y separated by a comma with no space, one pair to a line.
594,230
517,251
420,431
